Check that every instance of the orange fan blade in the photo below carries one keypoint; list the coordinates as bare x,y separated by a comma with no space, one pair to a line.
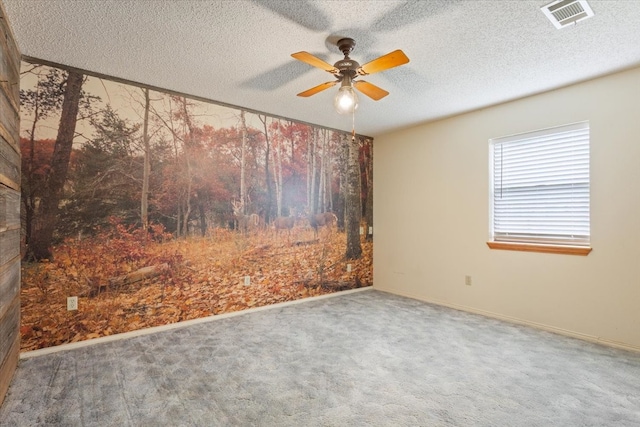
371,90
390,60
315,61
317,89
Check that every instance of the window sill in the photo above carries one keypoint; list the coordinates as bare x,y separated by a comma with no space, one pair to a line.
533,247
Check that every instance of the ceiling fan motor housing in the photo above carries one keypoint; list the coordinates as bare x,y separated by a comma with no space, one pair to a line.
347,66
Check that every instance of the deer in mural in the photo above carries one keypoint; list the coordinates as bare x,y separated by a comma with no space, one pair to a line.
245,222
324,219
285,222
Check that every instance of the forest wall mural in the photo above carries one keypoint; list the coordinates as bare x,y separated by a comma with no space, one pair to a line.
153,208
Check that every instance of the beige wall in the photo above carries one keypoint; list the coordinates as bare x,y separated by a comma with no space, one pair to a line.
432,220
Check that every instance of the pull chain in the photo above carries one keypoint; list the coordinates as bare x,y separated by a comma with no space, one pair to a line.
353,125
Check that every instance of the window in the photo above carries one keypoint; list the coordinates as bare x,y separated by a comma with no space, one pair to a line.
540,190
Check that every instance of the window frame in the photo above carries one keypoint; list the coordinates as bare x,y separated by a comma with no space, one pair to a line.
545,244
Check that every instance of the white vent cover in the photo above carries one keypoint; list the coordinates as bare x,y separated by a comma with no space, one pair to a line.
567,12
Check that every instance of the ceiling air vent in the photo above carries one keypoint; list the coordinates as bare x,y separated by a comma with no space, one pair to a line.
567,12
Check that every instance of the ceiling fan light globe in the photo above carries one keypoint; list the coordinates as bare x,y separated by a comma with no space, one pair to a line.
346,100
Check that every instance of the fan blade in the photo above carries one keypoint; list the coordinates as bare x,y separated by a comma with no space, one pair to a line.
315,61
371,90
317,89
390,60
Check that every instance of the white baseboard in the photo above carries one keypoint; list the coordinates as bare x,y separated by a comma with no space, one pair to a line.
155,329
510,319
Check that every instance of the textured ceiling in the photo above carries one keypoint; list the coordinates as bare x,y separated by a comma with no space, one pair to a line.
464,54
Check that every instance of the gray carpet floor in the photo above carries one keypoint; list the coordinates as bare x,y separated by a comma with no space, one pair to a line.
360,359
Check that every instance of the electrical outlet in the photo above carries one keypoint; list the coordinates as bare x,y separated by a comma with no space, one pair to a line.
72,303
370,230
348,268
247,280
467,280
361,231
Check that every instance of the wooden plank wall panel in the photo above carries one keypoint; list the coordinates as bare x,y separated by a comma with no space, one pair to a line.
9,153
9,205
9,86
9,246
9,62
9,119
9,284
8,331
8,367
9,208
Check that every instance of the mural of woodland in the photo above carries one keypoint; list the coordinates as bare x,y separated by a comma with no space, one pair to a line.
155,208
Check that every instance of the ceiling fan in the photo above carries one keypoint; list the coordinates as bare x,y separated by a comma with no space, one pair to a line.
347,70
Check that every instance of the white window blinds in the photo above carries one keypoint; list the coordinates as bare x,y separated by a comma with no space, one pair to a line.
540,186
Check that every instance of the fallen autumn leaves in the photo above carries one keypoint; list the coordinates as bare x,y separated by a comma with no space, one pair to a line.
199,277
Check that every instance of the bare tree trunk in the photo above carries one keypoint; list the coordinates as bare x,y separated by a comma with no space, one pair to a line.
342,190
329,178
203,217
279,178
188,132
320,206
368,208
353,202
309,192
326,180
44,224
267,178
187,200
28,191
277,173
179,220
314,145
243,185
146,171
